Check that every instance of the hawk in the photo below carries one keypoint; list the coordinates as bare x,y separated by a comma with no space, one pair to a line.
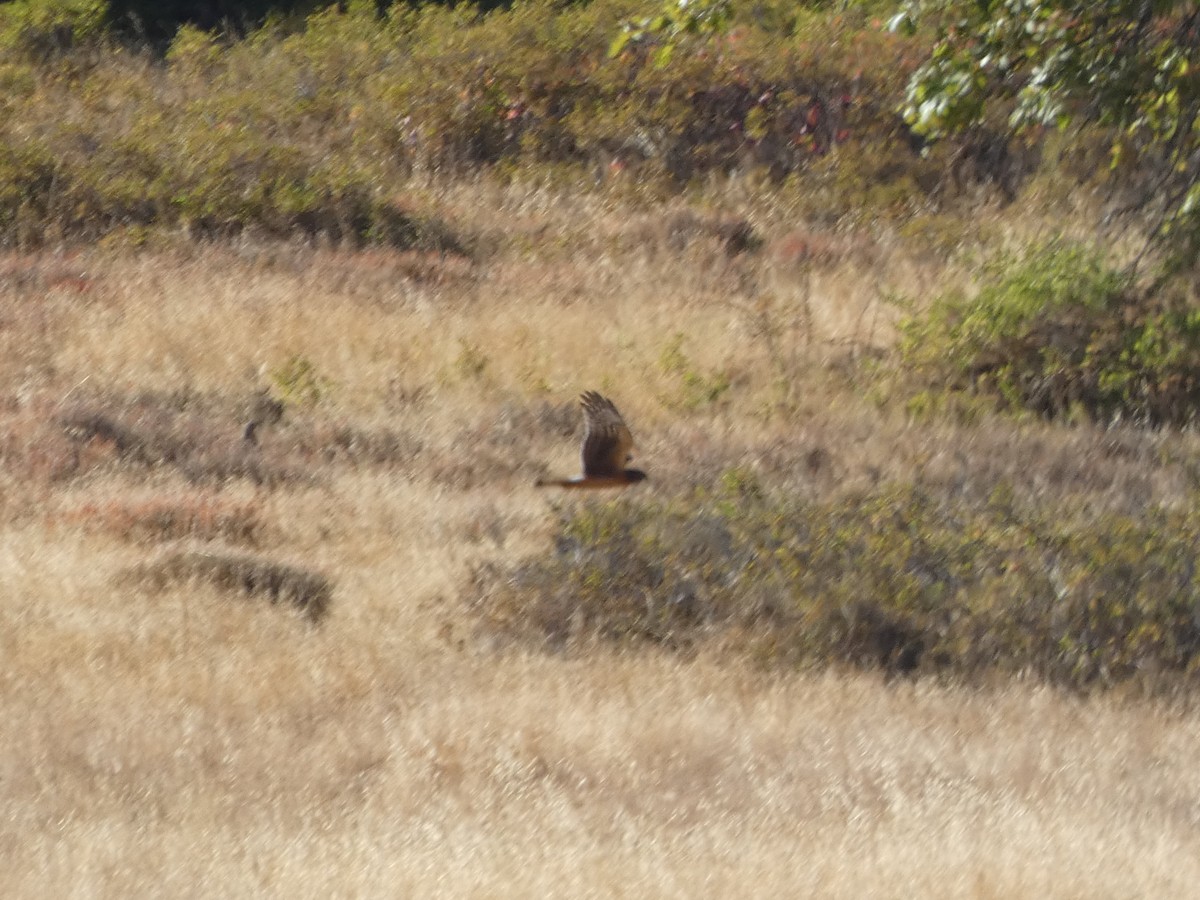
607,447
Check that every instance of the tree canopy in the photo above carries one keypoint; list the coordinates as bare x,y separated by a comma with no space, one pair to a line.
1132,66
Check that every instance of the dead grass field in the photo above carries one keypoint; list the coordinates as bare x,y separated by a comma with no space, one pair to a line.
179,728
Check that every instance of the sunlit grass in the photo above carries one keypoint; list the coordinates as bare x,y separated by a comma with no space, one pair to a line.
184,734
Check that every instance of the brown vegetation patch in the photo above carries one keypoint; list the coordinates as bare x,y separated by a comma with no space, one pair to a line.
732,235
516,422
157,518
346,444
808,248
31,275
500,447
34,450
255,576
827,455
204,438
169,430
379,276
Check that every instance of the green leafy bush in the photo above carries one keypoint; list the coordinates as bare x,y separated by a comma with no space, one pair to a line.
299,382
899,578
1060,332
42,29
695,388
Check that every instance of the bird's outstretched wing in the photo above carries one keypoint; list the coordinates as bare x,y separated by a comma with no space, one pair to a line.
607,443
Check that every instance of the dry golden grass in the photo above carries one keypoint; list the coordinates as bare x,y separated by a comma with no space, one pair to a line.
174,736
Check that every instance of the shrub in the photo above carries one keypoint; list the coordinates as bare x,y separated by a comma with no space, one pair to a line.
164,431
42,29
695,388
251,576
309,127
299,382
1060,332
898,578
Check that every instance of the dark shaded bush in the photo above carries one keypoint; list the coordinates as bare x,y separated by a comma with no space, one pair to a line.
204,441
158,20
251,576
207,442
45,27
151,431
900,579
1060,332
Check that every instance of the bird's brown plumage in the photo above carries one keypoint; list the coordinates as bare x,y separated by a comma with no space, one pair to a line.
607,447
607,443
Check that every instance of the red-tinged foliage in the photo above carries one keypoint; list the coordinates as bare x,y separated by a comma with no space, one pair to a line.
169,517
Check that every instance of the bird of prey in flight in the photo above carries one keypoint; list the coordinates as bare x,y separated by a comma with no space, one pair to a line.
607,447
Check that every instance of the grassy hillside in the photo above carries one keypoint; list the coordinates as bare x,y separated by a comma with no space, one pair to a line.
906,608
